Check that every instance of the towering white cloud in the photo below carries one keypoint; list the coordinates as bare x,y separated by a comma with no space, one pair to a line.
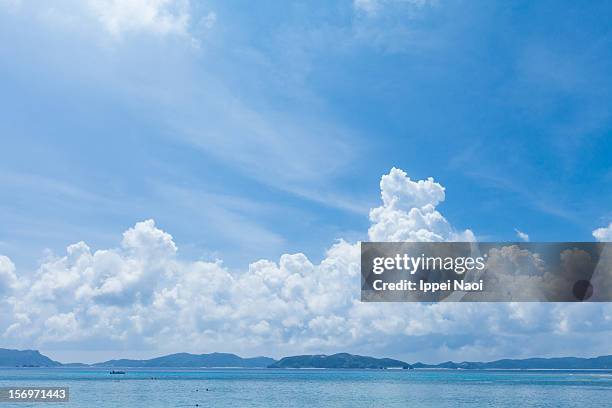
143,296
409,211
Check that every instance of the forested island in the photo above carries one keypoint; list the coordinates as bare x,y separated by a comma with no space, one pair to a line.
33,358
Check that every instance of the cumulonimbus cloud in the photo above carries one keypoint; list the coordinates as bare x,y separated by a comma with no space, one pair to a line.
142,295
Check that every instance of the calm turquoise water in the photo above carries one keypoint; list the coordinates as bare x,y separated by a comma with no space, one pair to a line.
306,388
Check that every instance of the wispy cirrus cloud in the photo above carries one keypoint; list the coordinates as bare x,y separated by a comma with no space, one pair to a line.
137,87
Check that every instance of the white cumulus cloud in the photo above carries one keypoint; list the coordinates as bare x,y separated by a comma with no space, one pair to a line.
8,279
603,234
408,212
142,296
521,235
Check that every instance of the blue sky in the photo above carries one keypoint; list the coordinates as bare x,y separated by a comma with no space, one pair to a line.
249,131
281,121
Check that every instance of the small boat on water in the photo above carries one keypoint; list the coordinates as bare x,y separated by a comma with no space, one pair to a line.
117,372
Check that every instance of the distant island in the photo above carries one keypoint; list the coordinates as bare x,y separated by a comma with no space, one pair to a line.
25,358
558,363
340,360
33,358
193,360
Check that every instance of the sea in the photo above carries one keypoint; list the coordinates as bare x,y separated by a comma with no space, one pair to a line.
235,388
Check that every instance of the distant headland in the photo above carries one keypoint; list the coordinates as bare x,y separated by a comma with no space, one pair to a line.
33,358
